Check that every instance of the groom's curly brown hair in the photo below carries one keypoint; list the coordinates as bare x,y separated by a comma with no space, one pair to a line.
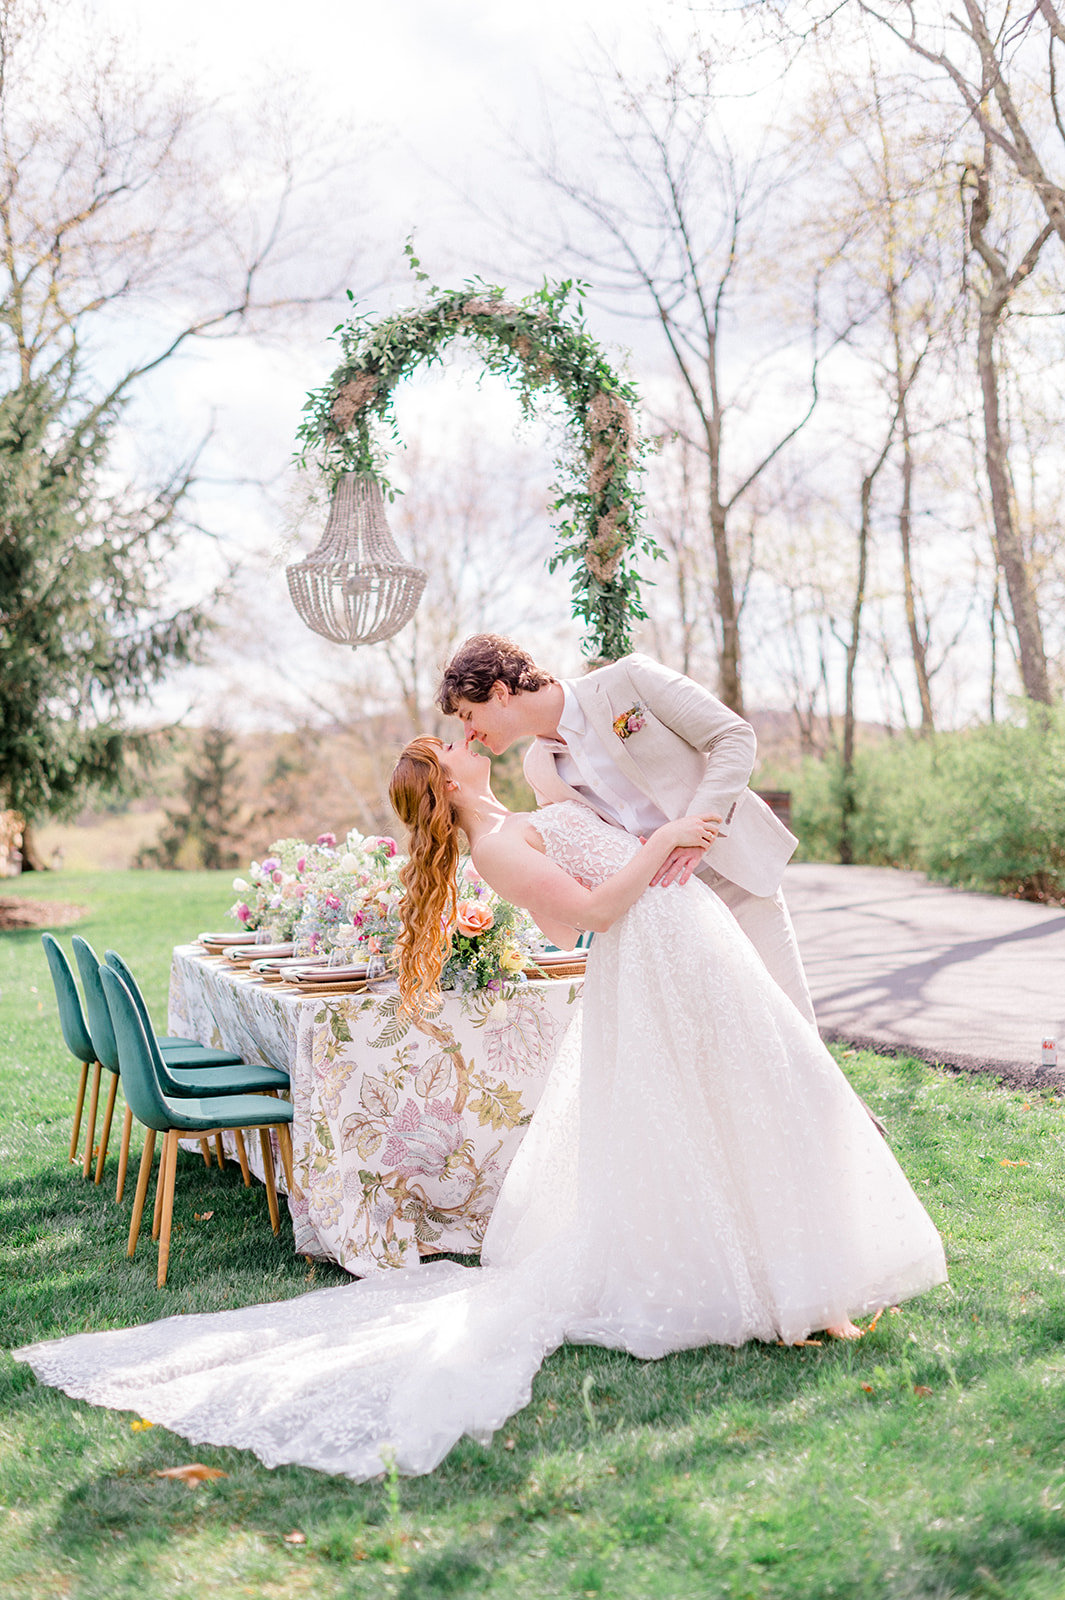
486,659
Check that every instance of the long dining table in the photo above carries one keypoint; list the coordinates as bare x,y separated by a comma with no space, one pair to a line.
402,1131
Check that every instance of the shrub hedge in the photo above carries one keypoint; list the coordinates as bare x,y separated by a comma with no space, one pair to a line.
983,808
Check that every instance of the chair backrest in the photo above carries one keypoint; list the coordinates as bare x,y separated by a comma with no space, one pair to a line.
167,1083
71,1017
116,963
96,1013
139,1083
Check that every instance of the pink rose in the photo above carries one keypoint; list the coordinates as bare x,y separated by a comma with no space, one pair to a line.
243,912
277,877
301,864
329,840
473,918
383,842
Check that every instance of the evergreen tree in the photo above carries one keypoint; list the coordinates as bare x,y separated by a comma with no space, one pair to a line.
197,835
82,628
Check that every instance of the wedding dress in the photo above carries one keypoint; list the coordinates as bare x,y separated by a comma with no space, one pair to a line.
698,1172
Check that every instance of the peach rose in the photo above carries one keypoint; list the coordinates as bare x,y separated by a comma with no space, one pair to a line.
473,918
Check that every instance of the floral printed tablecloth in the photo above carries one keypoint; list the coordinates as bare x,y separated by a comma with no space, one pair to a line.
401,1133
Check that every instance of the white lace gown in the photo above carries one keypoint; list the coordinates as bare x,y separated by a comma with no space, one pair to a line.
698,1172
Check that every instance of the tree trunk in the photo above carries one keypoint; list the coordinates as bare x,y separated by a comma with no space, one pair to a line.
730,687
32,860
847,795
1008,548
917,644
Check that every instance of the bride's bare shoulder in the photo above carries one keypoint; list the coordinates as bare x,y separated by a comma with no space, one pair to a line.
518,829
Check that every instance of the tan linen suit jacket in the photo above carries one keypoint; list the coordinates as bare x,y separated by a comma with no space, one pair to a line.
692,756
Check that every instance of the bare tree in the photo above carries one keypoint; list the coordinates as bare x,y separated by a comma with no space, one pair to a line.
676,228
1002,60
993,297
890,181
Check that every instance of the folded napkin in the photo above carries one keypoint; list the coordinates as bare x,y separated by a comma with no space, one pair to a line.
258,952
228,938
313,975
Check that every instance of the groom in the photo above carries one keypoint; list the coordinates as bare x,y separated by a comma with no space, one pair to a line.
641,745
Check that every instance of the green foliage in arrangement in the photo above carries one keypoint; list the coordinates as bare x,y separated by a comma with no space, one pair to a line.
982,809
540,346
927,1460
84,627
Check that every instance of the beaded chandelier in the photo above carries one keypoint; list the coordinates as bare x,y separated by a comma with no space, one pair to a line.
355,588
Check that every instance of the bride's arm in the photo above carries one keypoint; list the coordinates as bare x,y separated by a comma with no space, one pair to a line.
560,905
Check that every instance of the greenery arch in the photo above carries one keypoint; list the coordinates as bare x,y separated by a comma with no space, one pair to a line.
539,343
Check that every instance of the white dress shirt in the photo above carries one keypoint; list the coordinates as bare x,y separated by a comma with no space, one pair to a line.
583,763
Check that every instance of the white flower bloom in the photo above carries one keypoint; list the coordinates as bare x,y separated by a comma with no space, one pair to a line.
240,886
498,1012
349,862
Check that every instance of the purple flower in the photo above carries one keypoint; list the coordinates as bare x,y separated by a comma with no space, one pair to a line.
270,865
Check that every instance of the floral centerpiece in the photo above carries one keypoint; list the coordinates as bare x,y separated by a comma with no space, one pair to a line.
342,903
271,896
351,907
491,942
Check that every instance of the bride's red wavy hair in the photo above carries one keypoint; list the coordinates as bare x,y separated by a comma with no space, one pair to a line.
421,799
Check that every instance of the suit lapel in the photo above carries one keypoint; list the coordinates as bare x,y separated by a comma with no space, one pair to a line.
543,775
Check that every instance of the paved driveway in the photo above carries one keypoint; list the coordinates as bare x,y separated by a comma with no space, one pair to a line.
969,979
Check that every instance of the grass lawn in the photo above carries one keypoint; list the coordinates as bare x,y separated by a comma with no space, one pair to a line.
926,1461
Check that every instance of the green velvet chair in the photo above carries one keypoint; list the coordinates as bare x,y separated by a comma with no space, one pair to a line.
78,1041
183,1069
177,1117
165,1041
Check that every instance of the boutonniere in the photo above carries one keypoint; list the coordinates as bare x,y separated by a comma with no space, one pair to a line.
629,722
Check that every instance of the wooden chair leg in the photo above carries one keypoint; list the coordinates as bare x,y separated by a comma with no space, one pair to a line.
220,1152
206,1148
83,1080
123,1156
109,1112
143,1179
86,1165
160,1186
242,1157
284,1141
271,1186
169,1163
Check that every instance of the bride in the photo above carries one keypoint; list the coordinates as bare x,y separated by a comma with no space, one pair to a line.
698,1172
